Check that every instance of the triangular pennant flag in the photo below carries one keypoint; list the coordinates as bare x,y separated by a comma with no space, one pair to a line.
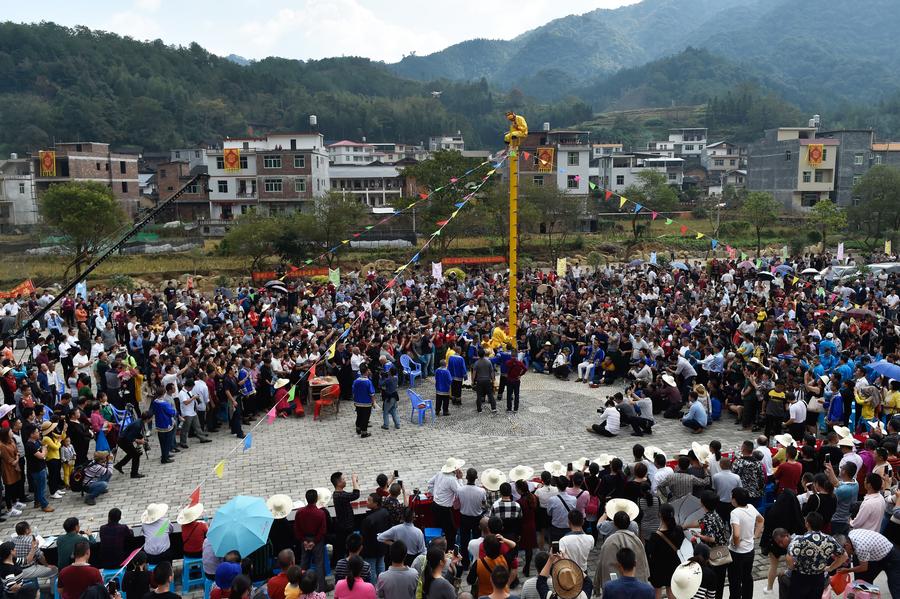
637,208
699,235
163,530
592,185
455,212
415,258
220,469
577,178
526,155
683,229
459,204
248,441
195,497
794,280
758,263
391,283
668,221
410,205
307,262
102,444
454,180
743,255
356,235
423,196
489,173
271,415
622,200
653,214
334,276
441,223
714,243
291,394
311,373
438,189
344,241
369,228
402,268
331,350
436,233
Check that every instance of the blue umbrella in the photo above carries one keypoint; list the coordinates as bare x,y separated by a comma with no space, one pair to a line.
783,269
240,525
885,368
679,265
636,262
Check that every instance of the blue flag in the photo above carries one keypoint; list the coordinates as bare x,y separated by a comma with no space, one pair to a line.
714,243
248,441
415,258
102,444
459,204
637,208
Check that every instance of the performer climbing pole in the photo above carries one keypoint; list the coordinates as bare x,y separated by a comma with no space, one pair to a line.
518,130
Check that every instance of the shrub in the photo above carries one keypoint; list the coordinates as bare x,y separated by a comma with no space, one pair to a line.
734,228
813,237
699,213
123,281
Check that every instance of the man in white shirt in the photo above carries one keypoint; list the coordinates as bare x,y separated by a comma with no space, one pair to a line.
577,545
471,507
444,487
191,422
201,391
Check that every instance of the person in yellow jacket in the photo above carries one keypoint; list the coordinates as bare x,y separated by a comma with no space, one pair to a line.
52,441
499,338
518,128
868,398
892,399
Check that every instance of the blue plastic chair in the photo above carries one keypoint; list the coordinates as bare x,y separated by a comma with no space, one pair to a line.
411,368
191,574
207,586
432,533
422,406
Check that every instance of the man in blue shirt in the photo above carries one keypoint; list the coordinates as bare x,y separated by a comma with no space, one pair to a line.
456,364
164,420
363,397
442,383
696,418
626,586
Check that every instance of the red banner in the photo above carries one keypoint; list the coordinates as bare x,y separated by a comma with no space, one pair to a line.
232,159
474,260
23,288
263,276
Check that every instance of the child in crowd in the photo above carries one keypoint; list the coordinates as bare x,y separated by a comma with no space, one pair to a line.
294,576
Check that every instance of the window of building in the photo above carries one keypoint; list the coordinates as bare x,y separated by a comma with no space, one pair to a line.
272,162
21,188
124,186
299,161
222,185
808,200
243,160
273,185
293,144
571,182
732,162
807,176
122,166
824,154
77,147
220,162
192,188
246,145
196,153
107,166
878,158
300,185
5,210
856,179
673,176
689,148
573,159
820,176
719,162
538,180
162,172
98,166
620,179
787,155
858,159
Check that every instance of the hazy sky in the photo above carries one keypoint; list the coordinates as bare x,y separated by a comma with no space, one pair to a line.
380,29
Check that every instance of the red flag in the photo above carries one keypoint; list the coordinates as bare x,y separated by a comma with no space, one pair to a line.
423,196
609,194
653,215
526,155
441,223
391,283
683,229
195,497
312,372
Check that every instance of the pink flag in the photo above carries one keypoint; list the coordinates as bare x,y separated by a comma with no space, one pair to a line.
454,180
131,556
270,416
578,177
653,215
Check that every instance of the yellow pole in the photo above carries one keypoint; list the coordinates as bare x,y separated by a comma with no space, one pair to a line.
513,238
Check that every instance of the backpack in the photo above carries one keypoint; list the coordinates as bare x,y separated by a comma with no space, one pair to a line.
76,479
593,505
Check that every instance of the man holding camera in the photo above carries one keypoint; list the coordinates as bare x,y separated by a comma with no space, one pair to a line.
96,476
131,441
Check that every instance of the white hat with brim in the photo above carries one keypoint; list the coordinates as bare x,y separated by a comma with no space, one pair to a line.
580,464
324,497
686,580
651,451
603,459
520,472
842,431
180,306
667,379
755,360
701,451
452,465
280,505
614,506
568,579
154,512
4,370
785,440
555,468
877,425
189,514
491,479
847,442
281,383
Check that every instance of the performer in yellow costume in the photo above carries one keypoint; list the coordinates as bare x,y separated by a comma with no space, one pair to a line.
518,128
499,338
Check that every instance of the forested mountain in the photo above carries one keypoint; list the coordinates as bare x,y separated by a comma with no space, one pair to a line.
63,84
829,51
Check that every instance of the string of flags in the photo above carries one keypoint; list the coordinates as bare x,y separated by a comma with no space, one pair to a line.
247,442
423,197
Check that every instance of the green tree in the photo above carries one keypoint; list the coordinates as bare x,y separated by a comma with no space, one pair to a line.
761,209
551,212
335,218
826,216
878,210
252,236
654,193
83,214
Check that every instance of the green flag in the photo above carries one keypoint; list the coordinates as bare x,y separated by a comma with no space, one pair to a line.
291,393
334,276
163,530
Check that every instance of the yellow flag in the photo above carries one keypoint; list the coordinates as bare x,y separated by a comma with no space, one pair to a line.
455,212
622,201
220,469
887,246
561,267
794,280
345,241
331,350
491,172
699,235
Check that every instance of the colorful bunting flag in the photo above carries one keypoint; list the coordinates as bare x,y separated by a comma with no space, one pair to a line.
436,233
248,441
391,283
683,229
592,185
669,221
794,280
577,178
459,204
345,241
622,200
331,350
454,180
699,235
415,258
163,530
653,214
220,469
637,208
369,228
526,155
743,255
441,223
356,235
609,194
714,243
293,391
195,497
271,415
307,262
423,196
101,444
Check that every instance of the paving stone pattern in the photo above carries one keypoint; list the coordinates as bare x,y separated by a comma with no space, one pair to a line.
290,456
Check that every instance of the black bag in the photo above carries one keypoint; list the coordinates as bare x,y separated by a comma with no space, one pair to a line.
76,479
95,591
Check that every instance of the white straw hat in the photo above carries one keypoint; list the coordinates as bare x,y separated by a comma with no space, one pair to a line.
555,468
492,478
686,580
280,505
520,472
189,514
618,504
154,512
